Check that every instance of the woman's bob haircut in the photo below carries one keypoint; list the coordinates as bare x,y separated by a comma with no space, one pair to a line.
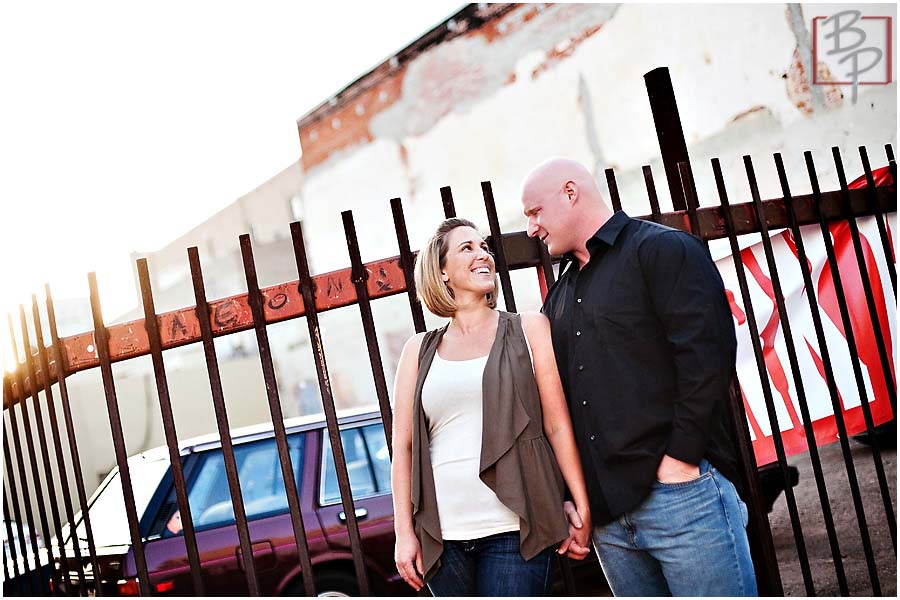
434,293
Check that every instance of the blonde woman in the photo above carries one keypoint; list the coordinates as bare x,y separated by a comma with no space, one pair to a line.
483,443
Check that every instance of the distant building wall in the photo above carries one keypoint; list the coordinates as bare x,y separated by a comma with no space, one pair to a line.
501,87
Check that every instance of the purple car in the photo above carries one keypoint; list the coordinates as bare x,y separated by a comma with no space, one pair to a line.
265,502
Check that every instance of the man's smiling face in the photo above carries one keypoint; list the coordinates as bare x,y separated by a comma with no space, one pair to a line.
547,209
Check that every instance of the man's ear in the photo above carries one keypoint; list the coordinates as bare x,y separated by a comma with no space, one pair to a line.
571,191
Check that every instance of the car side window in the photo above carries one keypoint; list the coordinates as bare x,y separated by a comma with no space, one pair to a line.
262,486
381,457
368,464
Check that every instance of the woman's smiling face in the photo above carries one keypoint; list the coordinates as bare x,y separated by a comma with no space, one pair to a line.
468,265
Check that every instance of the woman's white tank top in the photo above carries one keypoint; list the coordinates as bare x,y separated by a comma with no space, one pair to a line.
452,400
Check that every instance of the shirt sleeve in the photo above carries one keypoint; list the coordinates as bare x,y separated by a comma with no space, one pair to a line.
688,296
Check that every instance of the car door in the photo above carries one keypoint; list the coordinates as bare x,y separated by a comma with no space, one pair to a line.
265,504
369,468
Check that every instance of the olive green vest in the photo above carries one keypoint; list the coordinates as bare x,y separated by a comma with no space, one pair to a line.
517,462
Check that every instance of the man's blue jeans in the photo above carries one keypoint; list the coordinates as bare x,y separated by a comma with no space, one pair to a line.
491,566
685,539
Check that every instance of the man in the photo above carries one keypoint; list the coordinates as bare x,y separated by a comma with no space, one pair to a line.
645,344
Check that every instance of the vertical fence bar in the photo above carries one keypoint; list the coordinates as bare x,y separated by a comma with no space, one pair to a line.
218,397
857,370
407,262
31,371
168,419
784,321
499,253
255,299
360,275
887,367
546,264
447,200
613,190
882,350
12,555
692,203
101,340
759,531
35,590
44,364
830,380
32,455
879,218
58,357
307,289
764,380
792,355
672,145
656,215
867,284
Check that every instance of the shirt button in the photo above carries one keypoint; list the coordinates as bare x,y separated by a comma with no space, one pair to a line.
577,333
581,367
592,438
578,301
584,402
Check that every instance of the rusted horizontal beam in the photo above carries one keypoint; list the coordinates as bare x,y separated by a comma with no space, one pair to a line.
336,289
522,251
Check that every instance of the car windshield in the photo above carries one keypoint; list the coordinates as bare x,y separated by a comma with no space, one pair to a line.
109,522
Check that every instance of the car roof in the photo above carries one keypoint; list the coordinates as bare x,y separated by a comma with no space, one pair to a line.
259,431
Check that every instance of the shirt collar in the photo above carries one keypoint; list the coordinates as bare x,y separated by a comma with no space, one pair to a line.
607,234
610,230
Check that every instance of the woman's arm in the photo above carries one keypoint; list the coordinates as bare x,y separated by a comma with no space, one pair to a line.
407,552
558,426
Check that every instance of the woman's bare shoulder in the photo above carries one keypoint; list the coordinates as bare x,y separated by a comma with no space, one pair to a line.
413,344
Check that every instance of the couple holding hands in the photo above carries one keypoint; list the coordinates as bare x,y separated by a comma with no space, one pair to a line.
600,419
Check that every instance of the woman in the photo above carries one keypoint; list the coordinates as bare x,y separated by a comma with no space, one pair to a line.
478,492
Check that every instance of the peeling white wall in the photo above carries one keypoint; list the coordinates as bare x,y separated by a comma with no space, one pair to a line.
473,110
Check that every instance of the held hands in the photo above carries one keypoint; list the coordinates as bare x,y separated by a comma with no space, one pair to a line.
408,557
672,470
578,545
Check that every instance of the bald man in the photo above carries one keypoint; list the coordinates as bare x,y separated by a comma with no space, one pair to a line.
645,343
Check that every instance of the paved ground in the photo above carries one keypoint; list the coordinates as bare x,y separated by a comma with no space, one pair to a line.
846,524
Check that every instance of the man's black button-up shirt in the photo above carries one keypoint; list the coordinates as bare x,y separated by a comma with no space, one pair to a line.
645,344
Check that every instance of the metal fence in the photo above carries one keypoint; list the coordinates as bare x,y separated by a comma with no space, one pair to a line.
37,390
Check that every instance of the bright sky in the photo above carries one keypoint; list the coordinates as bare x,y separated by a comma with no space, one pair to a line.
125,124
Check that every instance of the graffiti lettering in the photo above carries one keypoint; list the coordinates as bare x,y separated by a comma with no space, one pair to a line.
335,287
178,328
384,285
225,314
277,301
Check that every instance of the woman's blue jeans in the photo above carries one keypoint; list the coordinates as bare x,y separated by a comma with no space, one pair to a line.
685,539
491,566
